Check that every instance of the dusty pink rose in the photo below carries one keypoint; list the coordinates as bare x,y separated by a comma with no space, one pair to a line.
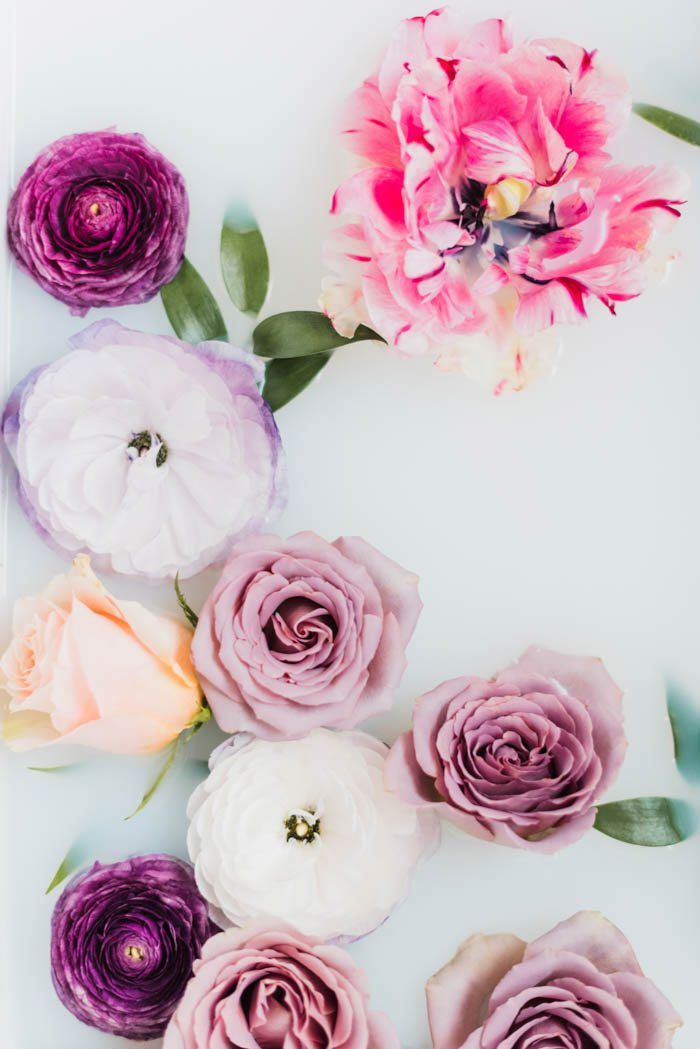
519,759
85,668
577,986
267,986
300,633
487,206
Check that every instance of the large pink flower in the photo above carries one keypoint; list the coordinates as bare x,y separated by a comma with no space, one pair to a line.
267,986
519,759
487,206
578,985
300,633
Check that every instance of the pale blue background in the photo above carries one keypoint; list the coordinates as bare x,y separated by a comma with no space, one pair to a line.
568,515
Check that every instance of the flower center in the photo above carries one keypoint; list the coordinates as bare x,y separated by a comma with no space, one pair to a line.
134,953
95,209
301,826
142,443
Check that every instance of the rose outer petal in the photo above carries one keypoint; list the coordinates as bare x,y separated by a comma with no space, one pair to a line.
458,994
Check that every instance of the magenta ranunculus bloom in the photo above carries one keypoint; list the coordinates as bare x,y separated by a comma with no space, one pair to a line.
519,759
124,938
577,986
99,219
300,633
488,210
267,985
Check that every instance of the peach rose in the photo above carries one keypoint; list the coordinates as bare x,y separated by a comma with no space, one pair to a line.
85,668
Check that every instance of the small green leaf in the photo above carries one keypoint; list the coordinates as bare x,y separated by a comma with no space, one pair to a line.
685,725
244,264
301,333
198,720
51,768
171,753
284,379
675,124
647,821
191,307
70,862
190,615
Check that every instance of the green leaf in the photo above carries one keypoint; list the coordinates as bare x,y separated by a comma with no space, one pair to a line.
244,263
675,124
171,753
198,720
191,307
70,862
301,333
190,615
647,821
52,768
284,379
685,725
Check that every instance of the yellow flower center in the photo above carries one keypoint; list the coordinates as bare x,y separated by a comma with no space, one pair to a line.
505,198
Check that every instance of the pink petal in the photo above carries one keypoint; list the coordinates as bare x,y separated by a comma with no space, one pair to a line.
590,934
458,994
494,150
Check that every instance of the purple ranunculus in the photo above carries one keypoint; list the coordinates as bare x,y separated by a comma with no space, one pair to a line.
300,633
267,985
124,938
99,219
519,759
577,987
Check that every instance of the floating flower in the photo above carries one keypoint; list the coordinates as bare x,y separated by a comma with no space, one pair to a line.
300,633
150,454
488,211
99,219
83,667
268,985
519,759
578,985
315,809
124,937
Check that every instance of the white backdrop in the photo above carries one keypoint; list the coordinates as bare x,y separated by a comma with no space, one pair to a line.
567,515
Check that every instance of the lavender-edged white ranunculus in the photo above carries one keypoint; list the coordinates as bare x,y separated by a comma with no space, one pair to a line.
145,452
577,987
300,633
99,219
519,759
124,937
269,986
304,831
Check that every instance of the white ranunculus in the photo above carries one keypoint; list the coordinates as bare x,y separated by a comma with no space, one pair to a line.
146,452
306,832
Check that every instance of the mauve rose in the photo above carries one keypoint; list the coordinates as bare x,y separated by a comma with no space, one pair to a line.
267,986
576,987
123,940
519,759
300,633
99,219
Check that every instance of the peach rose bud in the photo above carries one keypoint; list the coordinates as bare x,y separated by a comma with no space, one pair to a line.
83,667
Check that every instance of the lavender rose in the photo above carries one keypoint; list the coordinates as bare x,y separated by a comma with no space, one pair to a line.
519,759
123,940
301,633
268,985
99,219
577,986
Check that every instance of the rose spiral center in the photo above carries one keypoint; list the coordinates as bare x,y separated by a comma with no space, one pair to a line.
299,626
134,953
141,444
302,826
